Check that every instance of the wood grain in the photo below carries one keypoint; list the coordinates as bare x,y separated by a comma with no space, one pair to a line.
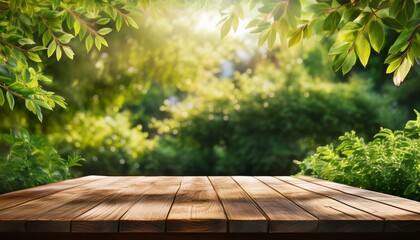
284,215
11,199
395,219
218,206
241,211
13,218
75,202
149,213
399,202
105,216
333,216
196,208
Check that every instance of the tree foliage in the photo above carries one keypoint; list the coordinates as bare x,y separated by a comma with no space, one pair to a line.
32,161
31,31
356,25
389,163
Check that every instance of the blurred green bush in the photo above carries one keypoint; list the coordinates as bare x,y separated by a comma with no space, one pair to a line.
258,125
390,163
32,161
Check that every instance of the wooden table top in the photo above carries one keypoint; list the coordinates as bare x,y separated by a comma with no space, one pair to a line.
236,204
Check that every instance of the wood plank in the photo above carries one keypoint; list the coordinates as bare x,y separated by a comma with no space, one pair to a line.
74,203
11,199
333,216
284,215
396,219
105,216
241,211
196,208
209,236
13,219
150,212
399,202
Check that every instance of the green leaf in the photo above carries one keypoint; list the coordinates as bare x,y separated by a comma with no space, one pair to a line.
58,53
38,112
396,7
296,37
98,43
46,37
318,8
338,61
76,27
350,14
89,43
282,28
409,8
271,39
25,41
404,36
235,23
401,72
339,47
265,9
24,19
295,7
352,26
392,23
393,66
131,22
253,23
42,104
402,18
37,48
226,28
34,57
118,22
102,40
376,35
83,31
363,50
349,62
278,11
262,26
332,21
239,11
65,38
68,51
411,188
103,21
263,37
30,106
415,47
1,98
10,100
396,48
104,31
291,19
51,48
391,58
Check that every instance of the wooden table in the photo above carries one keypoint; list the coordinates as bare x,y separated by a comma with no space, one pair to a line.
237,207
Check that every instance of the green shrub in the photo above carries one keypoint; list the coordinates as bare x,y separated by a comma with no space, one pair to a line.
390,163
110,144
258,125
32,161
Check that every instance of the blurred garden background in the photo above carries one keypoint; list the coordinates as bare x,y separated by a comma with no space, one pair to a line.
173,98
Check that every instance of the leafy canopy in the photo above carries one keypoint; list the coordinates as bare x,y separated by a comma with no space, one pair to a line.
31,31
357,26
